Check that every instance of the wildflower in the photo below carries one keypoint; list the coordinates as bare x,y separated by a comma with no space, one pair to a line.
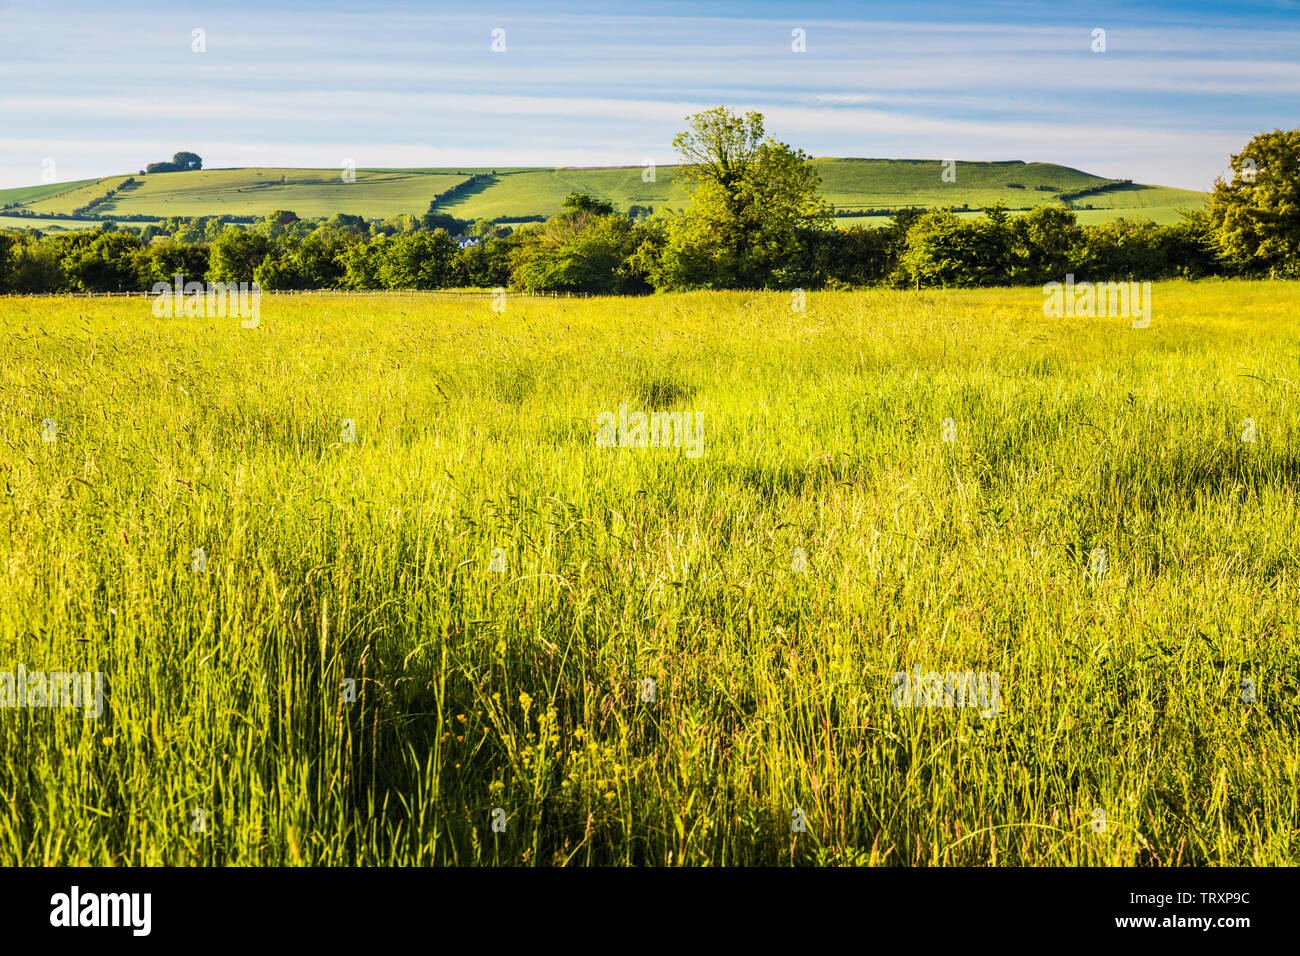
525,702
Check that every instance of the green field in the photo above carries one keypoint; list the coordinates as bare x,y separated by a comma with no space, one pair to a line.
29,195
874,183
516,679
1162,215
848,184
72,199
50,225
535,192
311,193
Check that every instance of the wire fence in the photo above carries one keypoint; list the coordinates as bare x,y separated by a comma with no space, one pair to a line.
459,293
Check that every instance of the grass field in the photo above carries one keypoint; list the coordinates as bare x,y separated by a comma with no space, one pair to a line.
1162,215
311,193
541,191
874,183
54,226
72,199
32,194
225,738
853,184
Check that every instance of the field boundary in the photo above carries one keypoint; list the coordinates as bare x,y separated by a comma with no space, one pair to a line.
369,292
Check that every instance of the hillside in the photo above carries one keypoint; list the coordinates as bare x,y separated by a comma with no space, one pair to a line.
860,190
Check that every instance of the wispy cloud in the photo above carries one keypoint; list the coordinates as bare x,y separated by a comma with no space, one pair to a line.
107,90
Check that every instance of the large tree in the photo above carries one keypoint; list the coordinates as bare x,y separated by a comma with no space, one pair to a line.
235,256
1255,218
100,262
585,247
420,260
753,207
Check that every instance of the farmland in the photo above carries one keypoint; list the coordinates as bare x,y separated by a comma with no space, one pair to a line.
620,649
511,194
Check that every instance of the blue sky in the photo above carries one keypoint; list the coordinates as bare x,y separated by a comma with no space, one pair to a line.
106,88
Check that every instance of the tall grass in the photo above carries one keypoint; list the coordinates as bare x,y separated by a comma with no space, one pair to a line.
523,690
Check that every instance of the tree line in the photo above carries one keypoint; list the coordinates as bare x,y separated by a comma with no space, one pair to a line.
754,221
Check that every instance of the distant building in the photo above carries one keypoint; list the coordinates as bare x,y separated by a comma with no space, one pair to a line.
466,241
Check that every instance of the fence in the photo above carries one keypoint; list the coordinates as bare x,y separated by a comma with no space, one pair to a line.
361,292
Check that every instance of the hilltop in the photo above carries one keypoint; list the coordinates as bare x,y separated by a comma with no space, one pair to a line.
862,191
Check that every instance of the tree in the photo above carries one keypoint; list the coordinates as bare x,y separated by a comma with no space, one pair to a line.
486,265
1188,247
583,248
100,262
442,220
314,262
1255,219
235,255
180,163
8,243
1123,249
419,260
404,223
34,266
191,230
1046,245
279,222
163,261
754,202
939,251
345,222
487,229
361,264
856,256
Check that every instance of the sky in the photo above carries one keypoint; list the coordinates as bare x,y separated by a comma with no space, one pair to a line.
92,89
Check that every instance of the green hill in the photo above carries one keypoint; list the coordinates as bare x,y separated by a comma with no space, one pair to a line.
859,190
539,192
311,193
33,194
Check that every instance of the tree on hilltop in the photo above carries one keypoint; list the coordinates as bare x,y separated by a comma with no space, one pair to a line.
182,162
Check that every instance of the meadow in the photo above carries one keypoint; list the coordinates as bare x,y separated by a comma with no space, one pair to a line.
617,655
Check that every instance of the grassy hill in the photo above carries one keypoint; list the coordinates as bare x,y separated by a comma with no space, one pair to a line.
539,192
849,185
33,194
311,193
